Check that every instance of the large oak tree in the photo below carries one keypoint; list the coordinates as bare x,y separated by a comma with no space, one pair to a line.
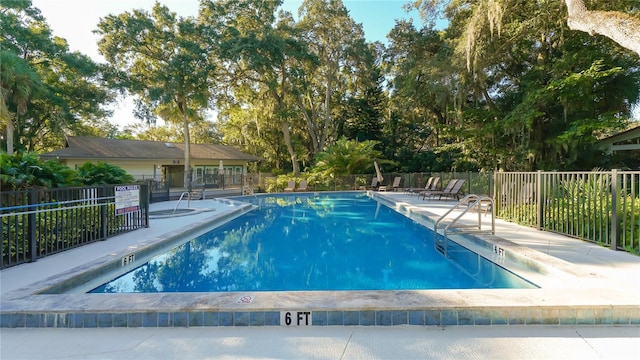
47,90
163,62
616,25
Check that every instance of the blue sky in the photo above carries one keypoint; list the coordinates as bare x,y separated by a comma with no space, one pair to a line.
74,20
376,16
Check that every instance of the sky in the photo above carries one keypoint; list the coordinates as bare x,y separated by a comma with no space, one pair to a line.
75,20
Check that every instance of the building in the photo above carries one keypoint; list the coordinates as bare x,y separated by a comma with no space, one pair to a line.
160,161
626,145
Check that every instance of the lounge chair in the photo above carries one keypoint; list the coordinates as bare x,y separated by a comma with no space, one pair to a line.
374,184
413,190
291,186
428,193
431,185
511,193
396,183
394,186
454,192
435,185
303,186
484,205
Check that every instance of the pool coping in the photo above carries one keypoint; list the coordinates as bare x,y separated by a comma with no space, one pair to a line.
575,303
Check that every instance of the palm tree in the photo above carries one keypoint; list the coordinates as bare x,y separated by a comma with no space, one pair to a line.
347,157
18,83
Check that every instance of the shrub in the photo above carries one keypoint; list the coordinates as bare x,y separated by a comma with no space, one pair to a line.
24,170
103,173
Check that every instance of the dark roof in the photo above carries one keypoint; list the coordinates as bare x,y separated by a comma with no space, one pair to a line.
81,147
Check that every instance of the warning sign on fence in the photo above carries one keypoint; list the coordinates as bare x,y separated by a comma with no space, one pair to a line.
127,199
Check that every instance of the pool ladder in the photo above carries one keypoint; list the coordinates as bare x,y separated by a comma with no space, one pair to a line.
189,195
472,201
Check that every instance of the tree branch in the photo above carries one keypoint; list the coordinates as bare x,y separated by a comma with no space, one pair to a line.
617,26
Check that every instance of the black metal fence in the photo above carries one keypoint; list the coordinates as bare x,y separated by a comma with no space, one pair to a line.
39,222
158,191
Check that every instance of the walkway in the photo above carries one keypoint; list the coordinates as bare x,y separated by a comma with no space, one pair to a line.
332,343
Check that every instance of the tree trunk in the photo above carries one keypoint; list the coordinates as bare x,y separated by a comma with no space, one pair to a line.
10,131
322,142
187,144
617,26
311,120
285,124
292,153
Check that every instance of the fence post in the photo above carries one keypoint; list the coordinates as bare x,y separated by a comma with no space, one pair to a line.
144,189
615,209
103,212
540,205
496,197
31,228
492,186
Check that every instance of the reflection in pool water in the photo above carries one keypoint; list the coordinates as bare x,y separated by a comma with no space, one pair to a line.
295,242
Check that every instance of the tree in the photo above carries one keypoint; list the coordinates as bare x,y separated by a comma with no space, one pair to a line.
251,130
362,115
619,26
200,130
616,25
526,96
339,45
347,157
57,91
260,54
18,82
163,61
427,91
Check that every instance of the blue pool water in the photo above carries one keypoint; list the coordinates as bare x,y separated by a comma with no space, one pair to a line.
326,241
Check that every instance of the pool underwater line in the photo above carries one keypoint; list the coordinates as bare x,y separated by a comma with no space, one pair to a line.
417,307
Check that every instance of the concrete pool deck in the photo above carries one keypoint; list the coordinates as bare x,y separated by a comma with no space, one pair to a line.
581,284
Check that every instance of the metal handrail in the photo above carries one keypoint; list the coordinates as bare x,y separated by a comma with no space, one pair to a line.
477,203
179,200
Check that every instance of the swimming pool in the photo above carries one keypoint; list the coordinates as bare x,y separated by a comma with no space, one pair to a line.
61,300
307,241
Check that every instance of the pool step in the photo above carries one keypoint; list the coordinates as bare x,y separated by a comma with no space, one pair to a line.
439,246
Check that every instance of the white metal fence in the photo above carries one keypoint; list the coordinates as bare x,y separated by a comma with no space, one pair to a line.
598,206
